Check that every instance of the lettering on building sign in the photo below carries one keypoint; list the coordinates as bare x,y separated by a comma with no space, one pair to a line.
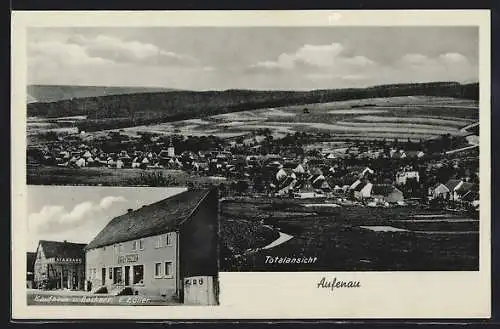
68,260
128,258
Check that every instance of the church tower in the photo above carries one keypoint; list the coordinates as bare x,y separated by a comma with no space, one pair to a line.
171,149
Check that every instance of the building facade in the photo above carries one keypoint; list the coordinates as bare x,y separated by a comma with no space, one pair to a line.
30,269
152,250
148,264
59,265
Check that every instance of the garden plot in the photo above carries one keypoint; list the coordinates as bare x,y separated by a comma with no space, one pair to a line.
413,120
383,229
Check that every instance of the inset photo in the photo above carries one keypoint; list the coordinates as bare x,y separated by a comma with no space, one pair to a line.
122,246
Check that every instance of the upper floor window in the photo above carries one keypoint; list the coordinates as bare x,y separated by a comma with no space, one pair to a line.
167,240
134,245
158,242
141,244
168,269
157,270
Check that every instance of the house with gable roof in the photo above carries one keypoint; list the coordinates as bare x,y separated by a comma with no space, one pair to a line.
165,249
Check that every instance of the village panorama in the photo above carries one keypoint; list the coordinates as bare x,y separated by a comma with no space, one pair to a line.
378,183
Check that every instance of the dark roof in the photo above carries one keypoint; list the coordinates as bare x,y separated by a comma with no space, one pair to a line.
63,249
290,164
412,154
30,259
360,186
383,189
470,196
452,183
153,219
465,187
285,182
315,171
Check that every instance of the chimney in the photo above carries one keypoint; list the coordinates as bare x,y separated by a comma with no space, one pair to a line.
130,210
65,241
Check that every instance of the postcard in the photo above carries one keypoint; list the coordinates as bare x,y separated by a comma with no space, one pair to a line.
251,165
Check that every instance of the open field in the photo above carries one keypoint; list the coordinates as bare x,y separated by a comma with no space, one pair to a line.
52,175
414,117
356,238
408,117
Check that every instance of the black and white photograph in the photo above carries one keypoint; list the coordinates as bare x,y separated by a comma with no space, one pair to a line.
350,149
122,246
237,162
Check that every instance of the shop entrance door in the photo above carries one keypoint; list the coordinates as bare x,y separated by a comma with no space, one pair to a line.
66,279
127,275
103,276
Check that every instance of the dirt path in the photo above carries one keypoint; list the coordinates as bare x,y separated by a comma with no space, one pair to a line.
281,239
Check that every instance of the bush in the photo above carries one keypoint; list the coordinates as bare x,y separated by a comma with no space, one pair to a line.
127,291
155,178
102,290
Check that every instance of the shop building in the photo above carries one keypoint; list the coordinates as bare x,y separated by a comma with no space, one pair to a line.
59,265
156,250
30,269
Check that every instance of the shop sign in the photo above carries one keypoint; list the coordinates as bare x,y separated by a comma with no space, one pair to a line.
68,260
132,258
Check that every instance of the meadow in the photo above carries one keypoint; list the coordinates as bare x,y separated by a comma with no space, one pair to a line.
102,176
411,117
355,238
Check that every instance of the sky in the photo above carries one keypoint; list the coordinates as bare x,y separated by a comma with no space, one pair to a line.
78,214
283,58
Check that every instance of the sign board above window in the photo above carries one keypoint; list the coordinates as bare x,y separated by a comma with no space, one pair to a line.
132,258
68,260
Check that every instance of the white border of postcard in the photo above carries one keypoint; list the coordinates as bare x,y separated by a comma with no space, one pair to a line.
273,295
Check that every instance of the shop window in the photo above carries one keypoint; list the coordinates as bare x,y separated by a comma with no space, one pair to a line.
110,273
157,269
168,269
117,275
138,274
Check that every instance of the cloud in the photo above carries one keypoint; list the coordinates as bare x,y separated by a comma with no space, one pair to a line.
358,61
453,58
80,50
106,202
60,53
438,61
328,57
414,59
319,56
130,51
51,219
333,76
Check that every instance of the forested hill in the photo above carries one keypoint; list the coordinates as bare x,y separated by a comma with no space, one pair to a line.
143,108
54,93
